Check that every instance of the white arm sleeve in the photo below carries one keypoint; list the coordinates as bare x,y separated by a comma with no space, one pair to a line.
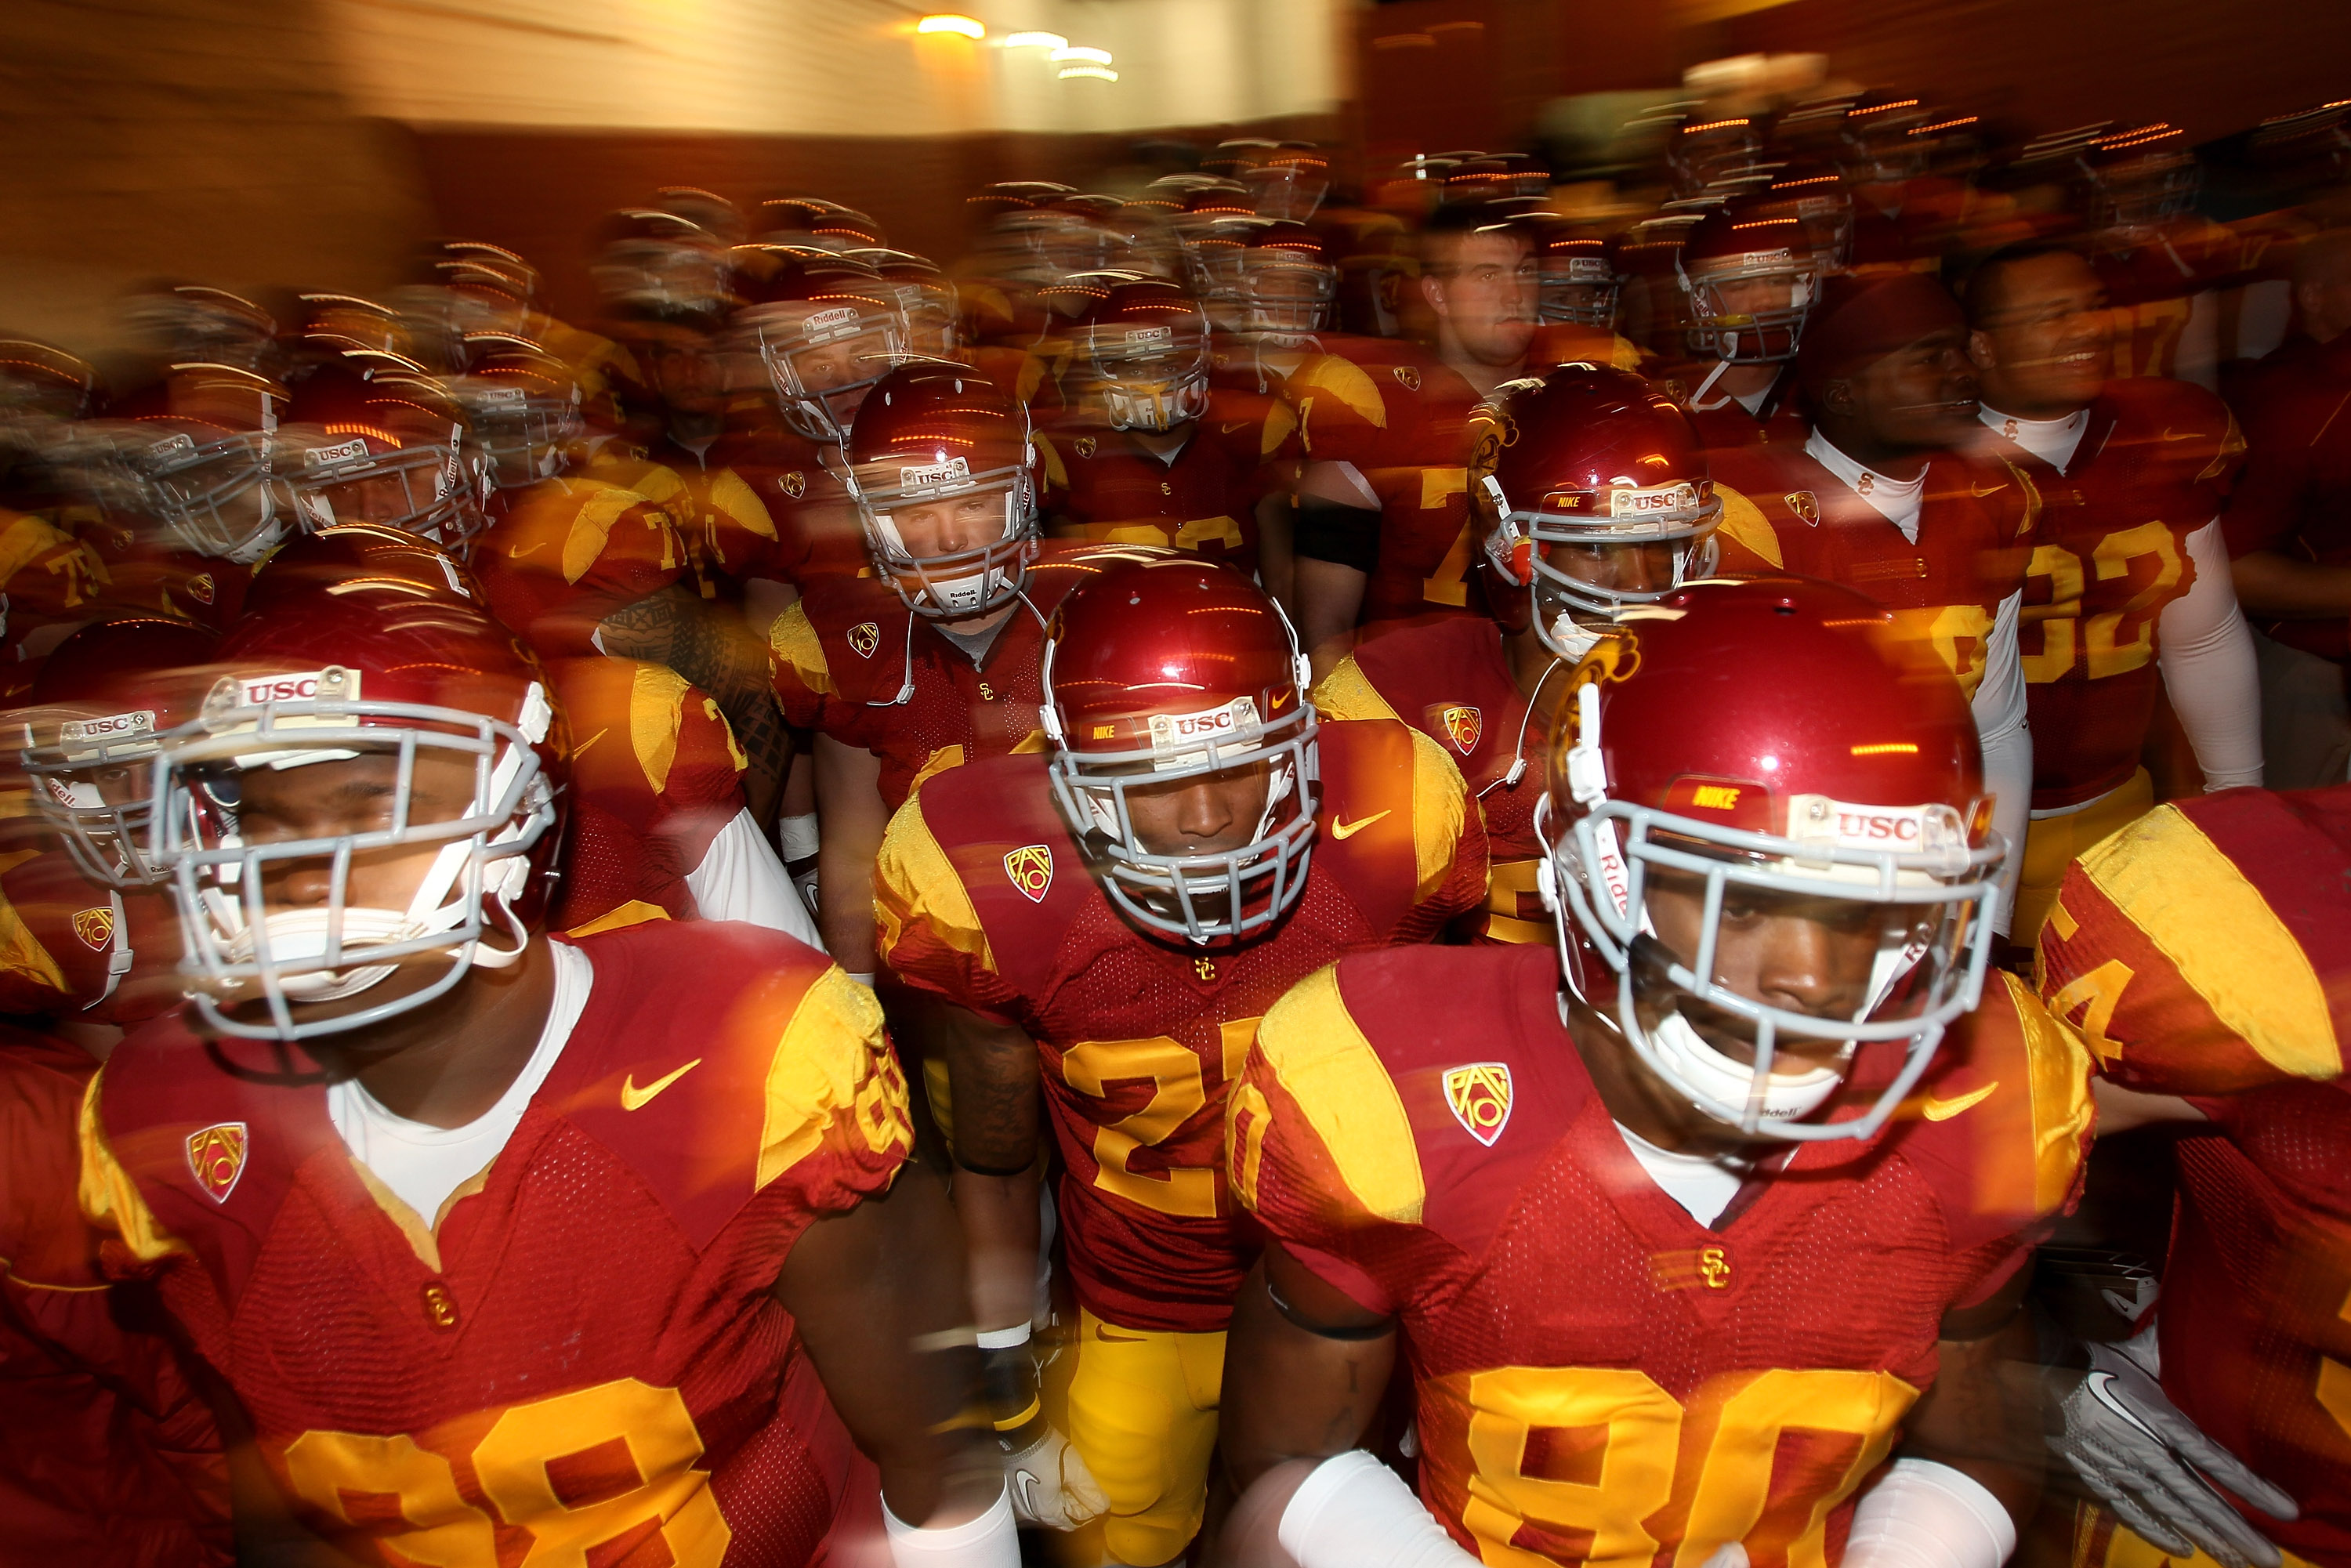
2206,651
741,879
1355,1512
2007,747
1921,1514
991,1540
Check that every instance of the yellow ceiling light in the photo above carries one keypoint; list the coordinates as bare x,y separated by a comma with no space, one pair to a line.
948,22
1081,52
1099,73
1036,41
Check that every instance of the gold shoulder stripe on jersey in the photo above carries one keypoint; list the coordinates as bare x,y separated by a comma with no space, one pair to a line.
832,1066
1440,810
656,712
1321,1059
1347,693
1743,522
2196,906
631,1097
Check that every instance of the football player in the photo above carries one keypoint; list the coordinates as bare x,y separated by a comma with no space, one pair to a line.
1104,926
452,1273
2200,952
1683,1229
1148,455
1382,529
932,662
1883,497
2129,591
1749,277
1592,494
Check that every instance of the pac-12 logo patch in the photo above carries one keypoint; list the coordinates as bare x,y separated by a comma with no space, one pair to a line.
1408,377
795,484
216,1158
200,588
1463,725
95,927
1479,1094
863,638
1030,867
1806,505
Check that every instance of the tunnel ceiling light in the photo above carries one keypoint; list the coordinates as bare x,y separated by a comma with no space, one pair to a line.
1099,73
948,22
1081,52
1036,41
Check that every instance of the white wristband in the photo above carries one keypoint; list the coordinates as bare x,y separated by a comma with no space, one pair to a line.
796,836
1006,1339
1922,1514
865,979
1355,1512
991,1540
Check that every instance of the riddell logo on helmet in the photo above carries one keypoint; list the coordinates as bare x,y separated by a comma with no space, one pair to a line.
827,323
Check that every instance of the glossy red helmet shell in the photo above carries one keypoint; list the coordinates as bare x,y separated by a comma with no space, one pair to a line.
326,561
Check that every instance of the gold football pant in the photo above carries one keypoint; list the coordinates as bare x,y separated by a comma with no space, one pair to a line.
2051,843
1143,1413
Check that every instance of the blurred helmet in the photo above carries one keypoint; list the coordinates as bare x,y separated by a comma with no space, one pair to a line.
340,323
489,287
1814,194
200,449
1143,348
1288,179
816,223
2141,178
1879,147
1166,669
650,256
1578,272
373,438
43,392
1702,150
926,299
1232,157
1594,495
1836,778
934,438
1495,176
522,408
103,699
712,212
363,670
1750,277
1286,280
327,561
827,330
192,323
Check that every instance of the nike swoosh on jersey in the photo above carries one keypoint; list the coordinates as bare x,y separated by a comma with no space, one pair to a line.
1228,426
633,1097
1936,1110
1349,830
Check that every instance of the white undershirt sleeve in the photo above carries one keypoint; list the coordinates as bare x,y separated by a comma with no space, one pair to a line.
2007,745
741,879
2206,653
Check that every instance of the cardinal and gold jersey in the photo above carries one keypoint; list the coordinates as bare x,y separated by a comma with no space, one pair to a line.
582,1351
655,776
723,521
563,553
106,1458
851,659
1597,1376
2109,552
1776,421
985,896
1402,419
126,565
1114,490
71,948
1783,511
2205,951
1450,679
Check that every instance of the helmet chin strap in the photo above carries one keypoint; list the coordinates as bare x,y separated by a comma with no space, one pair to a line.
1699,1066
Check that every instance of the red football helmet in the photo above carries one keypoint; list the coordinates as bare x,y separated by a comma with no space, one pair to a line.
1750,277
1834,777
943,473
1815,195
1143,348
1288,179
926,299
324,561
1701,151
199,452
1595,497
815,222
828,328
1166,668
373,438
1579,276
369,669
522,408
102,697
190,323
1878,146
652,256
2139,179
